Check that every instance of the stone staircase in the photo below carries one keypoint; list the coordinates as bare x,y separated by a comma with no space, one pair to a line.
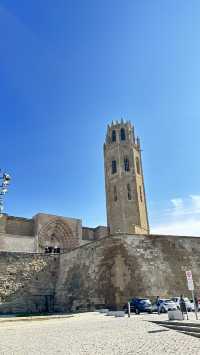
189,328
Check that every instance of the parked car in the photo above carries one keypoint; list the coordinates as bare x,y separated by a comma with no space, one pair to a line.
188,304
192,304
139,305
164,305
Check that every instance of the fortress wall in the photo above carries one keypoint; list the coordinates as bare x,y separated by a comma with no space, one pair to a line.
85,276
104,272
91,234
19,226
17,243
87,233
100,232
114,269
27,282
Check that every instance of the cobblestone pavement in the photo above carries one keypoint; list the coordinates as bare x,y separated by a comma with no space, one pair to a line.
95,334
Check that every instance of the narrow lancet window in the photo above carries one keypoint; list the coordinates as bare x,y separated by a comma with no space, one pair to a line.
113,136
114,166
138,165
126,164
123,134
129,192
141,195
115,193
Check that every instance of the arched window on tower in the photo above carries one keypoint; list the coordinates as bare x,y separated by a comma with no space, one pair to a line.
114,166
115,193
126,164
122,134
129,192
138,165
113,136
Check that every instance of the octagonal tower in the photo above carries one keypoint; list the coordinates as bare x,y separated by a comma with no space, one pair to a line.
125,192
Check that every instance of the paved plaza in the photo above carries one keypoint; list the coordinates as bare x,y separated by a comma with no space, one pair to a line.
94,334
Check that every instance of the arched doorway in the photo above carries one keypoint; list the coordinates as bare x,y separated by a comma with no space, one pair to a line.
56,236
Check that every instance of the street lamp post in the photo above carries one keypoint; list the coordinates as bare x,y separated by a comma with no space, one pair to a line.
4,183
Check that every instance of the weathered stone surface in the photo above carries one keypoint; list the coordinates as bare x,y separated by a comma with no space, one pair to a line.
112,270
27,282
44,230
106,272
19,226
125,192
17,243
50,230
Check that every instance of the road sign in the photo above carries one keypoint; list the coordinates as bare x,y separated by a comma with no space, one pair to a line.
189,280
189,275
191,288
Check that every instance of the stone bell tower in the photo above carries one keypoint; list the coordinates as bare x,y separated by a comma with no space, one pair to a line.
125,193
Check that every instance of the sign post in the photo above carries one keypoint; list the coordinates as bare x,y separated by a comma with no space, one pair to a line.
191,288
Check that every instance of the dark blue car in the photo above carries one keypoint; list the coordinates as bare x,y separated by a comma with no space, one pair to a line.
140,305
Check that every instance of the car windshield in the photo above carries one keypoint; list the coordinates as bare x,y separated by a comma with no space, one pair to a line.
167,301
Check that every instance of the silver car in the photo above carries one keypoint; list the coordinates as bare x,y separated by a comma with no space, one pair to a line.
188,304
164,305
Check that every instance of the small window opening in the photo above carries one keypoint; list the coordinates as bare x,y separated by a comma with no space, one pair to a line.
141,195
138,165
126,164
114,166
114,136
123,134
129,192
115,193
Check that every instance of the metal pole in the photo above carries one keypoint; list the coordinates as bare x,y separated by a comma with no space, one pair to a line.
195,309
129,309
5,181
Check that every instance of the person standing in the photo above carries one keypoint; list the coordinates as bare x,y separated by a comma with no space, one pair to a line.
183,307
158,304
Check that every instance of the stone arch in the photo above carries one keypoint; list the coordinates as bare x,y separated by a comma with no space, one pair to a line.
56,233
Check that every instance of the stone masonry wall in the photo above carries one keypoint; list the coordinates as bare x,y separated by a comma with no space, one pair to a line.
27,282
112,270
19,226
17,243
106,272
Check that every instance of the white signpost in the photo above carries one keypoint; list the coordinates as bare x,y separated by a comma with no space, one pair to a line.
190,280
191,288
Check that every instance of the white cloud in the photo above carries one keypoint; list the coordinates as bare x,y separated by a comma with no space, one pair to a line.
189,227
182,218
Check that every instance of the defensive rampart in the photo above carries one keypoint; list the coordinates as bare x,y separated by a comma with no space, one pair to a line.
104,272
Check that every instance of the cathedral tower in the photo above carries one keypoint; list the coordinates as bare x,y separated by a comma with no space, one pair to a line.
125,193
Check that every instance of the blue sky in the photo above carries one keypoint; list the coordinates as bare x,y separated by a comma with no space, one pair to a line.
68,68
